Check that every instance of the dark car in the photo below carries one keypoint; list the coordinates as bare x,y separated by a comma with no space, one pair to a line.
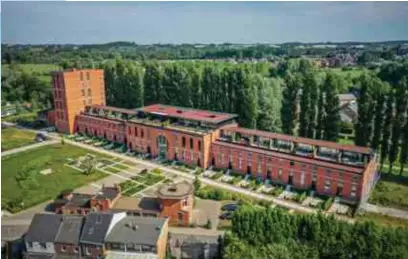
227,215
230,207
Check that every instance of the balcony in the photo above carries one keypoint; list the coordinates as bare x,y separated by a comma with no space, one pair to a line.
175,126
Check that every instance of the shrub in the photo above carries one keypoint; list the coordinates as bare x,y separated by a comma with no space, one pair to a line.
208,225
301,197
277,191
327,203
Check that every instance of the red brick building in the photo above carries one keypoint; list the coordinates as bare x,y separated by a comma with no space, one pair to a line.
207,138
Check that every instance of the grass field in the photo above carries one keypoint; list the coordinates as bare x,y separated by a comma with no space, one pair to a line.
14,138
384,220
43,70
22,184
391,191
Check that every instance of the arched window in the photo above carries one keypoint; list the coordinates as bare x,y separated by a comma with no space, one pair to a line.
141,133
184,141
191,143
199,145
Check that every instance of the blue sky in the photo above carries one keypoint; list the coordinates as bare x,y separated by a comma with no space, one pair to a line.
202,22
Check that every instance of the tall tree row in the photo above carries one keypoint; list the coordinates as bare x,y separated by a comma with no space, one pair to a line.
266,233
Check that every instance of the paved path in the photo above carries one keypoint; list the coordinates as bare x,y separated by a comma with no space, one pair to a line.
386,211
21,149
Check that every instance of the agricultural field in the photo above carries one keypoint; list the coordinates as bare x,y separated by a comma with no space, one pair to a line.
43,71
14,138
24,183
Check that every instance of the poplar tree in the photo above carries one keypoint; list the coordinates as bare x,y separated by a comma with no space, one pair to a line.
289,103
387,127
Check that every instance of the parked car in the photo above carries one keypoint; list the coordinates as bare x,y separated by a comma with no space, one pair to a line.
230,207
227,215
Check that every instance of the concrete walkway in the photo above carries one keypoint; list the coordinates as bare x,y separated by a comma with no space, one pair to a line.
25,148
403,214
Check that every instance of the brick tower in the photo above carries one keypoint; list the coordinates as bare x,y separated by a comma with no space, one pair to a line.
73,90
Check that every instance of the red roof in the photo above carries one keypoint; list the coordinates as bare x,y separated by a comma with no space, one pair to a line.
187,113
307,141
292,157
110,108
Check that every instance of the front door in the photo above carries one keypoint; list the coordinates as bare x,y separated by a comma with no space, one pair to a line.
162,147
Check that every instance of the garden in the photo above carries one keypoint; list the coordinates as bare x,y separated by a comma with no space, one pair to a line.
29,178
141,181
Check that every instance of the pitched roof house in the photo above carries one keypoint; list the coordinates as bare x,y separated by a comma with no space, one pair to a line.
95,230
41,235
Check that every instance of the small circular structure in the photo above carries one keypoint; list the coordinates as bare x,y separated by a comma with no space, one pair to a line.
175,190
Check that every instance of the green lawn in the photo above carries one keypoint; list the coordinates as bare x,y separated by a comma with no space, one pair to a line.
121,166
383,220
391,191
22,184
112,170
14,138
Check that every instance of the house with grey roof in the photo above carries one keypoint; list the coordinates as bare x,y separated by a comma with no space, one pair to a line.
95,230
12,242
138,237
41,234
67,240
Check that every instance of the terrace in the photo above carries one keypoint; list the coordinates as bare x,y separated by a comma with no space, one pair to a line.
157,120
109,112
324,150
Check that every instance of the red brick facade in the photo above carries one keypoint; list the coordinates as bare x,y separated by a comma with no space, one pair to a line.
67,249
156,130
178,211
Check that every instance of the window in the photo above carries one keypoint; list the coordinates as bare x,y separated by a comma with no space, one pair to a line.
185,202
353,188
89,92
183,140
89,101
302,178
280,172
63,248
81,76
135,131
353,194
292,163
76,250
83,92
43,245
88,250
191,143
199,145
84,102
88,76
142,133
130,131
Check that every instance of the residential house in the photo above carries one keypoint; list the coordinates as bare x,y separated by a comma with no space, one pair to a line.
95,230
41,235
67,239
138,237
80,203
183,246
12,241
